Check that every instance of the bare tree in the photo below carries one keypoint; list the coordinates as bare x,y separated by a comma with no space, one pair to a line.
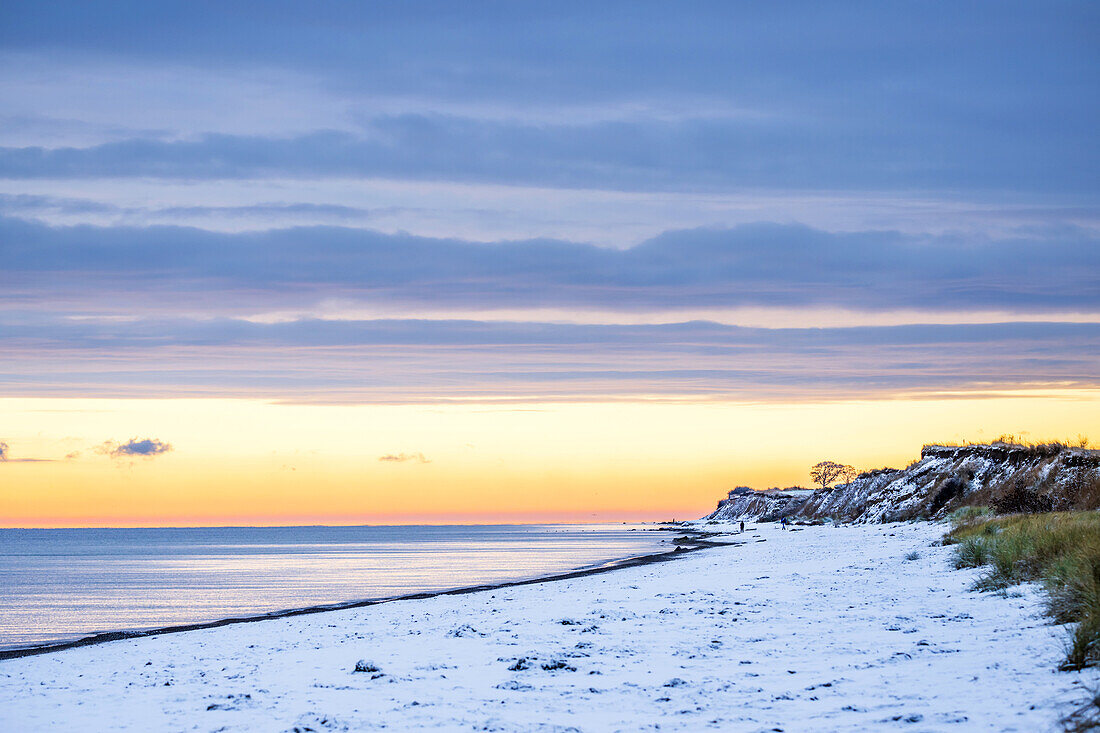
826,472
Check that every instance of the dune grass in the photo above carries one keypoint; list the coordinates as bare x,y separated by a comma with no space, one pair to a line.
1061,550
968,515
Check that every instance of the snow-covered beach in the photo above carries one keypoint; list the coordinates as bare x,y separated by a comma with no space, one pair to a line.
821,628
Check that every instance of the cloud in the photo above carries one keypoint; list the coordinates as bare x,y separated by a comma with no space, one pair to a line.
763,265
705,155
898,95
37,205
135,448
417,361
404,458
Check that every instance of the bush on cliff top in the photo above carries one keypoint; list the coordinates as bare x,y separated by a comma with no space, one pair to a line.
1017,443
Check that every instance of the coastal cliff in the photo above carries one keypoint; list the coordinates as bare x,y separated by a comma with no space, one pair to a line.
769,505
1008,477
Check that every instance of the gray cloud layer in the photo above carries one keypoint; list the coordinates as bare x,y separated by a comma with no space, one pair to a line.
177,111
903,94
37,205
418,361
702,155
960,96
98,268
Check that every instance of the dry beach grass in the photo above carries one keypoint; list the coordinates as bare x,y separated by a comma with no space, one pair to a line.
1061,550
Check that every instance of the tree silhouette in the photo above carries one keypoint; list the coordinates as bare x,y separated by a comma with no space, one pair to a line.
826,472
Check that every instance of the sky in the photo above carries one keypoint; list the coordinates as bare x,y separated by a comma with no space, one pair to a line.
274,263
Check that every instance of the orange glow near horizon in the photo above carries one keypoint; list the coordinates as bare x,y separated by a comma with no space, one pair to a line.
259,463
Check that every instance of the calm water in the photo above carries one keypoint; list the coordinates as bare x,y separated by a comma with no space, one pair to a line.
59,584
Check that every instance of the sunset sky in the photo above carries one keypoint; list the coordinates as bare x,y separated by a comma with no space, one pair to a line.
280,263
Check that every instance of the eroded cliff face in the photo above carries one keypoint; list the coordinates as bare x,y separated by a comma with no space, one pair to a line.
1010,478
762,506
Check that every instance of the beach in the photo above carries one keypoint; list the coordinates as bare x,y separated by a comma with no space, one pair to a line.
819,628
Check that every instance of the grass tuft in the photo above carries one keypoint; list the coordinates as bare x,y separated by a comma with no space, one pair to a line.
973,552
969,515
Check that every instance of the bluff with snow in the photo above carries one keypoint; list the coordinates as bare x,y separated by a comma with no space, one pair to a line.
1008,477
769,505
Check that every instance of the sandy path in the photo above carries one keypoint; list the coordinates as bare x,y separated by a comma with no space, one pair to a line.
821,629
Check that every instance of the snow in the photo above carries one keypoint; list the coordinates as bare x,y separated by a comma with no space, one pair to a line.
822,628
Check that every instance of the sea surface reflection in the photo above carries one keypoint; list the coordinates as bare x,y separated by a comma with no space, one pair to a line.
63,584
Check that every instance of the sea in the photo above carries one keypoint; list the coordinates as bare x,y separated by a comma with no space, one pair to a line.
59,585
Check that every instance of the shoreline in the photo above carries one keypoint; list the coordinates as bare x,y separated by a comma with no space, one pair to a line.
849,628
618,564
